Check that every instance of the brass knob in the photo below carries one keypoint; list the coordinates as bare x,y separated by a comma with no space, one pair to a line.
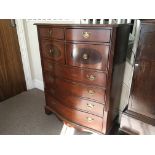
91,77
90,106
89,119
54,52
91,91
86,34
85,56
51,51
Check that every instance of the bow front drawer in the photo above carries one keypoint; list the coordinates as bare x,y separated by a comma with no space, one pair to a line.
75,116
100,35
77,103
76,74
88,55
81,90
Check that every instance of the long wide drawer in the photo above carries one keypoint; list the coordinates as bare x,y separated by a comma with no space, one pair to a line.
81,90
76,74
75,116
77,102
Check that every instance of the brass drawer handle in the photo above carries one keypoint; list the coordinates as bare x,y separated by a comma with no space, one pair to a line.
50,33
51,51
90,106
91,91
54,52
91,77
86,34
89,119
85,56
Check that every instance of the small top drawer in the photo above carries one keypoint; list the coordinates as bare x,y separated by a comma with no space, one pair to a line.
97,35
51,33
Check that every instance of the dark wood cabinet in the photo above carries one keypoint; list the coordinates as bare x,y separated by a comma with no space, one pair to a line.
79,63
139,117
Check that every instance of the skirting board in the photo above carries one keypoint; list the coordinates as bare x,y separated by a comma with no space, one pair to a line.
38,84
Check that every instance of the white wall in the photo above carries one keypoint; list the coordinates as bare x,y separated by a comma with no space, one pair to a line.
33,53
33,48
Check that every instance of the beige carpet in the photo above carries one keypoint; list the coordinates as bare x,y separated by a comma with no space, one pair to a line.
24,115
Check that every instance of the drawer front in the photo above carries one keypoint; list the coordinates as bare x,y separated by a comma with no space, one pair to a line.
90,92
51,33
75,116
99,35
77,103
76,74
87,55
53,50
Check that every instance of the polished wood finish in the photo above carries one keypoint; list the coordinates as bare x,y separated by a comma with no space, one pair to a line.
142,95
78,89
76,74
12,81
88,55
53,50
99,35
52,33
77,103
76,116
81,90
142,99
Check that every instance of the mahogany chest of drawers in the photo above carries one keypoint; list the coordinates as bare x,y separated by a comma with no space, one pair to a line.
81,71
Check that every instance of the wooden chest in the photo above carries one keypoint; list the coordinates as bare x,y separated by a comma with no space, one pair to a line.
78,63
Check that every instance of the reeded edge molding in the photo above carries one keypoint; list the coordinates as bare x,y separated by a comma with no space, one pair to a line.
24,52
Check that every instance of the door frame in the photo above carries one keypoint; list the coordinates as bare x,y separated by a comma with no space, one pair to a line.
24,53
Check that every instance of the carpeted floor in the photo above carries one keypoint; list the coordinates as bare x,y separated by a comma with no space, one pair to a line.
24,115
